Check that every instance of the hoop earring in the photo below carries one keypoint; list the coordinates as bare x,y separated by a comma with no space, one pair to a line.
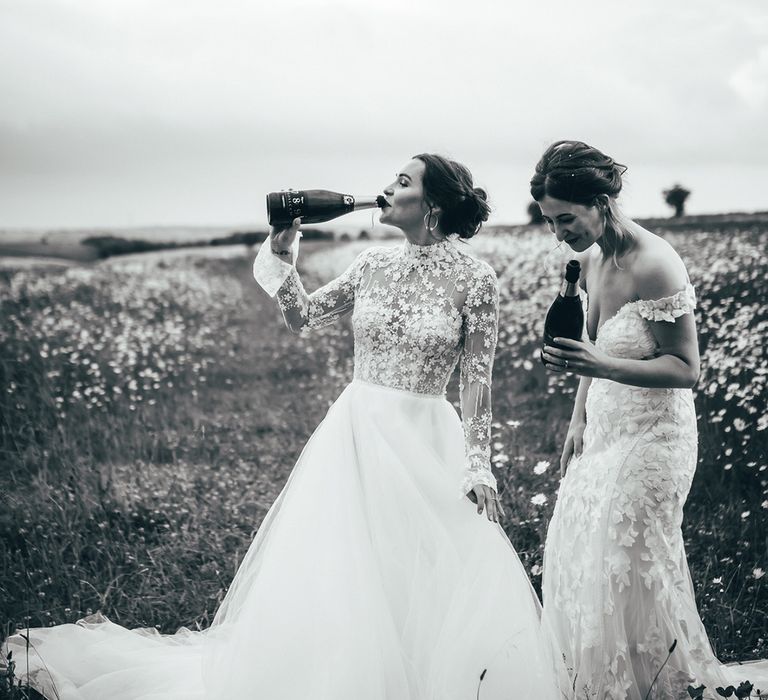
428,220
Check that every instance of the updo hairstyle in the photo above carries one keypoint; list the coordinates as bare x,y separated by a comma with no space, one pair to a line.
448,185
574,171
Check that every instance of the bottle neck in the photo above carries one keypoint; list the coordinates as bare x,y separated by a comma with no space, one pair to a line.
365,203
569,289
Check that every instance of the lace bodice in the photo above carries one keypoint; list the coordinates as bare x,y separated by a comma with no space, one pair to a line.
416,311
627,334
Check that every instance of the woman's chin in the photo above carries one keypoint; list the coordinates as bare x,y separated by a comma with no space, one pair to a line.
579,245
386,218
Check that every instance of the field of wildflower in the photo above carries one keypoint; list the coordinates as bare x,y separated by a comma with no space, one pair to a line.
153,407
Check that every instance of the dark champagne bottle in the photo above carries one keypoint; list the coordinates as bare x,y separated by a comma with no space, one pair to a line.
565,318
314,206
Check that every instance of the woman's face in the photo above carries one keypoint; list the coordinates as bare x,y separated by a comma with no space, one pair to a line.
405,197
578,225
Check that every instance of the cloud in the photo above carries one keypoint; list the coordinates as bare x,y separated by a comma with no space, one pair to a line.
312,90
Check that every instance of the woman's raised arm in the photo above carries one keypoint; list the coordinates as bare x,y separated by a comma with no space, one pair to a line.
275,270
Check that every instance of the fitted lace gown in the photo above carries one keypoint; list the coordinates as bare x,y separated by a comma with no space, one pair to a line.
372,576
616,587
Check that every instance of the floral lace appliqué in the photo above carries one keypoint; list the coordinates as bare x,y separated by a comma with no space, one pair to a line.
628,334
669,308
616,585
417,311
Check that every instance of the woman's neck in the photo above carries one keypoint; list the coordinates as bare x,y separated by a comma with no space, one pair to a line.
423,237
601,243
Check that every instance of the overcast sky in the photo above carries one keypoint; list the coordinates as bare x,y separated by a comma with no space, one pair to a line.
136,112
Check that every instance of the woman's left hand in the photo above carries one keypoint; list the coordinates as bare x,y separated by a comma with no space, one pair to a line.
487,498
578,357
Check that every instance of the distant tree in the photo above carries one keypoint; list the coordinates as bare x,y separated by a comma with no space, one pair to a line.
317,234
675,197
107,246
248,238
534,213
364,235
345,237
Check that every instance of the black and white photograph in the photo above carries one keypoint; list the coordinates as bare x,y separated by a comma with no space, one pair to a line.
403,350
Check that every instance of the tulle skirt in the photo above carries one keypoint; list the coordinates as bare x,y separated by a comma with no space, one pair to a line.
371,577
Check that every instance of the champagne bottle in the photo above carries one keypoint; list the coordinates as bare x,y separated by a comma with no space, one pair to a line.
565,318
314,206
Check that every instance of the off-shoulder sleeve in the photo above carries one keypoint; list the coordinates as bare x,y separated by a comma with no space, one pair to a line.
668,308
303,311
480,320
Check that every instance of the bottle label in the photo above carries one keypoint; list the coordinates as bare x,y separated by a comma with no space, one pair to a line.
349,200
294,204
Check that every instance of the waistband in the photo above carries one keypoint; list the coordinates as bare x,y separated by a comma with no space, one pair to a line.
394,390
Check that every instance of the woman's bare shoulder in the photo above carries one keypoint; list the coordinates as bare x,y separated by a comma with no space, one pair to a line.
656,268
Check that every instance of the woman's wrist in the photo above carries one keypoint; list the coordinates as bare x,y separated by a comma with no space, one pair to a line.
578,420
610,369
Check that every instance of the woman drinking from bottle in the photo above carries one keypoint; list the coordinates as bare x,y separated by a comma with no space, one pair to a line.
380,572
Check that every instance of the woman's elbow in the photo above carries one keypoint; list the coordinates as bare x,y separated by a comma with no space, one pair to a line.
691,375
295,324
684,370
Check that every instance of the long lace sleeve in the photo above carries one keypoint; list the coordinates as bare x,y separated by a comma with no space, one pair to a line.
481,315
303,311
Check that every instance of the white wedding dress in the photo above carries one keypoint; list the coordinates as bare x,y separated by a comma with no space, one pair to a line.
372,577
616,587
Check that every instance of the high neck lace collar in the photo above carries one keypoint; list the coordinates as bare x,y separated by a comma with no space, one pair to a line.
433,250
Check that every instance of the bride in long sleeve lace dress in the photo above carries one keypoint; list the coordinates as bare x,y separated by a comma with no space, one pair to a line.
617,592
372,576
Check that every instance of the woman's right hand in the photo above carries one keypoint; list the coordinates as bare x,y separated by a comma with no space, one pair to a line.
574,443
281,238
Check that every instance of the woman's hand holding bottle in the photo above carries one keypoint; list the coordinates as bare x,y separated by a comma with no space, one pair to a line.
281,238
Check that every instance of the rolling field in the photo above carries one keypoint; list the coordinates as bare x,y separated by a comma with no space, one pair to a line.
153,407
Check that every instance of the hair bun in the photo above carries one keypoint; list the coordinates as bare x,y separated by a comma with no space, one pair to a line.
480,194
477,210
448,185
